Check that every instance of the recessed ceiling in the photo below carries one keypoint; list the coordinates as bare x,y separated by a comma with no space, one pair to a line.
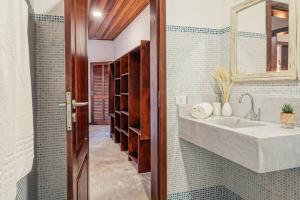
116,16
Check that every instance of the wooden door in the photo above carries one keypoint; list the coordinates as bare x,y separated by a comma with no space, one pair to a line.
100,93
77,86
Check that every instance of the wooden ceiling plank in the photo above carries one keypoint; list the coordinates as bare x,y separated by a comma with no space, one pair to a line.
103,5
124,14
110,16
93,23
118,14
121,26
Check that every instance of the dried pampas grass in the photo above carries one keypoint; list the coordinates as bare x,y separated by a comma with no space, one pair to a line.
221,75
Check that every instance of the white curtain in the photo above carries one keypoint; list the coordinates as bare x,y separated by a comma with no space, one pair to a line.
16,115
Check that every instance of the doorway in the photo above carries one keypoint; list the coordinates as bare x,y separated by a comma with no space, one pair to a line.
76,12
99,94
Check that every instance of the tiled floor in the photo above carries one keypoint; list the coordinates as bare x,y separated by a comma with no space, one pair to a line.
112,176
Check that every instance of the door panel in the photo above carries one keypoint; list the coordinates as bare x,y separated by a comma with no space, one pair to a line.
100,90
82,189
77,84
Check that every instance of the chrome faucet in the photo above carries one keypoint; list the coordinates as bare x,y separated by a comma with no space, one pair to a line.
251,114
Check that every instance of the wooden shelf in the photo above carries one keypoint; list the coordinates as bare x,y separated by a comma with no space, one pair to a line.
125,113
136,130
124,64
125,132
117,128
133,158
112,100
117,133
117,87
130,104
124,84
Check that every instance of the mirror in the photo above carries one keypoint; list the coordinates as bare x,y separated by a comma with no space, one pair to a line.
277,36
263,45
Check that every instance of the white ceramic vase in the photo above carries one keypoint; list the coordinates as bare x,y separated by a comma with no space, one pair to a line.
217,108
227,110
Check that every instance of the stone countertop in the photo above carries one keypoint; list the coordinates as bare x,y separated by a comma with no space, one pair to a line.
263,148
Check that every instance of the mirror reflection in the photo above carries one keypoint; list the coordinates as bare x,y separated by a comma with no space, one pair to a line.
278,35
262,38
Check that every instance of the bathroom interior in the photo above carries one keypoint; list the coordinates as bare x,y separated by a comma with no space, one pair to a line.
254,43
232,100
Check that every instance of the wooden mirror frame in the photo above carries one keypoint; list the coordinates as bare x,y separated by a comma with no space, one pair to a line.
294,45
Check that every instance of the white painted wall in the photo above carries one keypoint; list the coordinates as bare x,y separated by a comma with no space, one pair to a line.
48,7
214,14
201,13
100,50
131,37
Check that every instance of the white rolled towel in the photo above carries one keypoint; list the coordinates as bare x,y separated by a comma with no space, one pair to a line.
202,110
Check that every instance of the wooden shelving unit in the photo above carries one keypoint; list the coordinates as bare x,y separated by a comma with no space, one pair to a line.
124,103
139,107
130,94
112,99
117,101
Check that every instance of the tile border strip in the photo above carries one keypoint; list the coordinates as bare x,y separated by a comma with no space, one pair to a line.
214,31
189,29
49,18
212,193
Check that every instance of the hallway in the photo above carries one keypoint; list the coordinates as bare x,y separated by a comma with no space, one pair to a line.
112,176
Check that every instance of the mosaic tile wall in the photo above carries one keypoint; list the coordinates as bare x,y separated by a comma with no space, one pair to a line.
193,54
50,89
48,179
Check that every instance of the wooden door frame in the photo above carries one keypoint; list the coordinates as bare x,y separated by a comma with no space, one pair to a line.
158,96
158,91
69,62
92,64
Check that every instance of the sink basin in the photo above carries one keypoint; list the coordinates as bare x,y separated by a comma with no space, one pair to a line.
233,122
259,146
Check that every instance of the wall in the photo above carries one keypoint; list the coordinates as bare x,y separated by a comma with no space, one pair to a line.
197,13
131,37
100,50
51,133
194,50
194,46
192,55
